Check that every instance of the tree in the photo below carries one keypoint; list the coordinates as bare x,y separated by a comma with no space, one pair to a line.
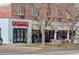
71,22
45,23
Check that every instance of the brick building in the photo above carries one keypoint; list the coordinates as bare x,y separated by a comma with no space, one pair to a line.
43,11
54,8
58,10
5,11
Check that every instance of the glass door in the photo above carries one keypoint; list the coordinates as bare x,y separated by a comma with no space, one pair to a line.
25,35
14,35
19,35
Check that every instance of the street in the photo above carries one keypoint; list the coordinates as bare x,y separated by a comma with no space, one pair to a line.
8,50
62,52
59,51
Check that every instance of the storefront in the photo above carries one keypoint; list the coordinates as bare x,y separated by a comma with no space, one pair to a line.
49,34
36,32
37,35
15,30
62,32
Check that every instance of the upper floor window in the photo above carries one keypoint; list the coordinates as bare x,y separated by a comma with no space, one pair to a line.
21,11
48,11
77,4
58,12
69,12
35,11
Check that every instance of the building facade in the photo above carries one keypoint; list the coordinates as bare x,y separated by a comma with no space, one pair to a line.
15,30
35,12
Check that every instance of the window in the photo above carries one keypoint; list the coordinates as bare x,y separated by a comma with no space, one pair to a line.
77,4
36,36
48,11
61,34
35,11
58,12
21,11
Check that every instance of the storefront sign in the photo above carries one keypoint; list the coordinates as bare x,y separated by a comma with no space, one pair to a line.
20,23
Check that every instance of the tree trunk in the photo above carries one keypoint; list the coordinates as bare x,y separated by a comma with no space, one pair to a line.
72,36
43,36
43,28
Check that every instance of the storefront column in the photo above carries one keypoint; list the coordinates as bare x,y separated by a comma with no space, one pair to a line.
68,35
55,35
29,41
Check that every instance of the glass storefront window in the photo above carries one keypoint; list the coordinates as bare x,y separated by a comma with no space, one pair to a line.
14,35
71,34
19,35
46,36
51,34
58,35
61,34
36,36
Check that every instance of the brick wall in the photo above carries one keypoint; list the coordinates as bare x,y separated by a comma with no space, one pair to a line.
5,11
11,10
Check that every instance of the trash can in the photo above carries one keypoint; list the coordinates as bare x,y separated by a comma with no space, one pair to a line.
1,41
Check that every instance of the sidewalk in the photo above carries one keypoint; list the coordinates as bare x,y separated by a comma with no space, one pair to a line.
17,49
12,49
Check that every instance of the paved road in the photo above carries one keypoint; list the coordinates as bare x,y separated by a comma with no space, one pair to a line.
60,51
74,53
37,51
66,52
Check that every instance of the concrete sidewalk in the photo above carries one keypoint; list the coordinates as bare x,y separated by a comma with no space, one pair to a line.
8,49
13,50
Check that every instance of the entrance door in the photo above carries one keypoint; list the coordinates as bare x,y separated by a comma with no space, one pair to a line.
19,35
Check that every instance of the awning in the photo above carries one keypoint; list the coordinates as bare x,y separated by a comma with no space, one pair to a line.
35,27
49,28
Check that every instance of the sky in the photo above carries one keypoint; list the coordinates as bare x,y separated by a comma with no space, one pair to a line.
4,4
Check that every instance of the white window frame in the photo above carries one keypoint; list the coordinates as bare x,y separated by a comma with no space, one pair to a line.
20,10
58,13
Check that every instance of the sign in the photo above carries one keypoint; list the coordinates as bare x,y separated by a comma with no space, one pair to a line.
20,23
